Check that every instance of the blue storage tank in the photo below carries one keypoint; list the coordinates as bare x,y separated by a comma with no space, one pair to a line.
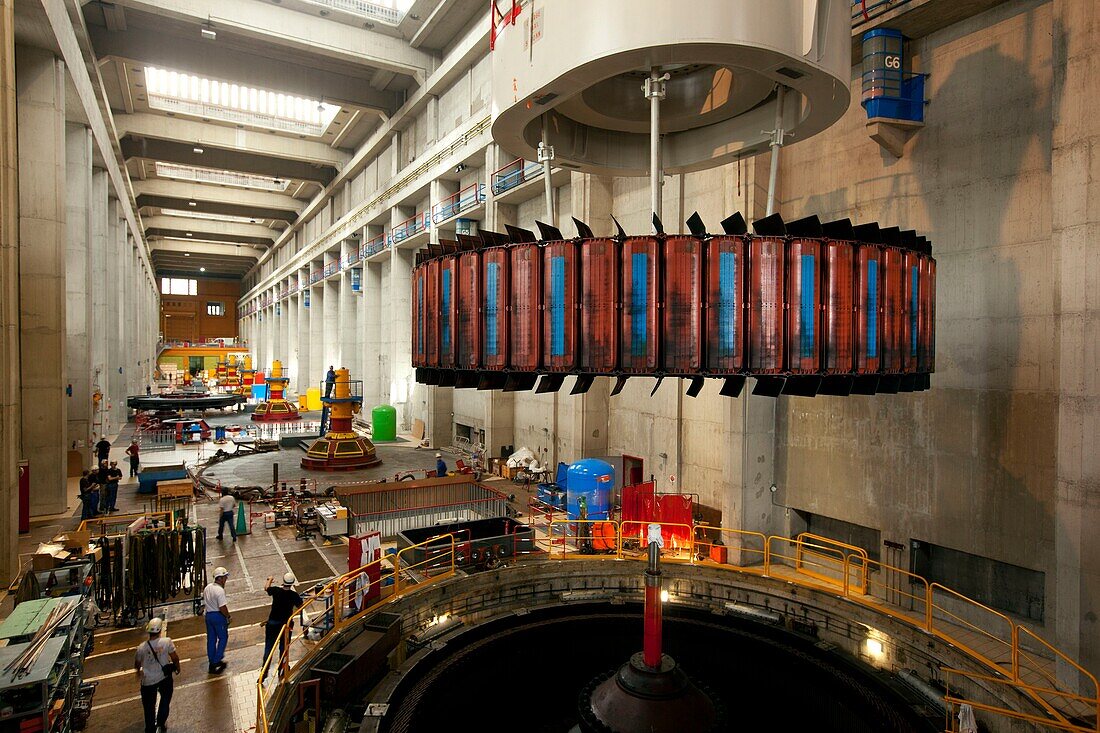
589,482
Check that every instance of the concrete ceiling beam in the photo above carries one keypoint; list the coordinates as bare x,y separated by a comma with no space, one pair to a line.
228,208
204,248
181,234
171,151
204,193
306,35
163,127
220,62
203,228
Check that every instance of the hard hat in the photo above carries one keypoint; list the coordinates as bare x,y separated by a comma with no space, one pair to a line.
155,625
438,455
289,579
220,572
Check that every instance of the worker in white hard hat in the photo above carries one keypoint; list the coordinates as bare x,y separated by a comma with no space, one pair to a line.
284,602
216,611
155,661
440,465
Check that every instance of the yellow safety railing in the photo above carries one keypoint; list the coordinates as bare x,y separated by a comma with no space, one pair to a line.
1018,658
344,601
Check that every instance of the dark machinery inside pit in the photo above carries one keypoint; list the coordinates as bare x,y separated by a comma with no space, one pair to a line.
753,670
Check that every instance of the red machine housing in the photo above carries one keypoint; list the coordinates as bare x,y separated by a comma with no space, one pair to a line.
494,308
524,315
559,306
767,272
682,295
725,305
468,333
598,343
838,324
640,337
804,306
868,308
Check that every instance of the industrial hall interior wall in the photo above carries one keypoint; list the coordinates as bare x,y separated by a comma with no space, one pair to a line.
78,302
191,318
994,467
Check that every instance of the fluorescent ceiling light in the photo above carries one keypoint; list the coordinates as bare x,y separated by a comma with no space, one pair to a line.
209,34
202,269
208,217
177,92
219,177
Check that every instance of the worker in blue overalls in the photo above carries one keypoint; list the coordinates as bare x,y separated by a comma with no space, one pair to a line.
440,466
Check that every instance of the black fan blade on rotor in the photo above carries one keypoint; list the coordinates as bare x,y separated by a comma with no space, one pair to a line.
657,225
810,226
769,226
519,235
696,225
891,236
619,228
583,230
656,386
734,225
695,386
620,382
868,233
839,229
548,233
583,383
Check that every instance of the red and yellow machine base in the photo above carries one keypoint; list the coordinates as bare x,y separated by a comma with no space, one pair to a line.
275,411
340,452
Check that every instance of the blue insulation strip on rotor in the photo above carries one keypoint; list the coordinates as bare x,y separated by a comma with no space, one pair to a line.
638,295
913,314
446,331
557,306
872,308
806,308
727,303
492,284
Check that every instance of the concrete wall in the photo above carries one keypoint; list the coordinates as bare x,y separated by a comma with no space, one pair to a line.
184,317
971,463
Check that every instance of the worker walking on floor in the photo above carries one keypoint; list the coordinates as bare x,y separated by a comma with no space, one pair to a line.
284,602
217,616
155,661
102,449
228,506
440,466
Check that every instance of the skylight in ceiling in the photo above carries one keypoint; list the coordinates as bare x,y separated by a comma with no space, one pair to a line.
220,177
209,217
387,11
174,91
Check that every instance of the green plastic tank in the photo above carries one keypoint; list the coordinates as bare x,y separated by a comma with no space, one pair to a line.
383,420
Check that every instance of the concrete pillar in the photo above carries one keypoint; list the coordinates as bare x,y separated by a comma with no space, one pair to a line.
317,364
1075,228
291,316
97,324
371,324
40,88
334,336
351,351
10,417
400,302
304,336
78,286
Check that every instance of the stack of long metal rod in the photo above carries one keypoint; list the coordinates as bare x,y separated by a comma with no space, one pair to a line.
22,664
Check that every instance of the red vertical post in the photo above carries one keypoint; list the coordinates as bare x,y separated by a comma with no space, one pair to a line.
651,645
